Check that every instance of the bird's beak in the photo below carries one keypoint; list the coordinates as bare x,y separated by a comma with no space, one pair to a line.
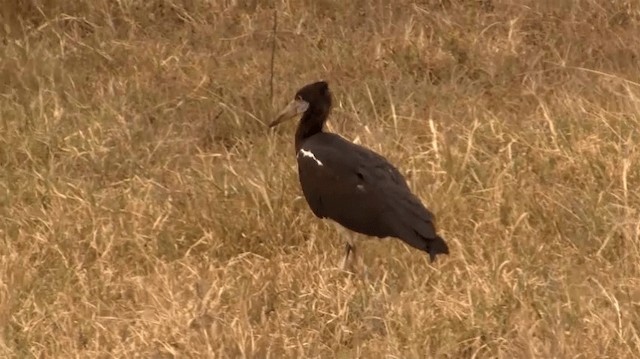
293,109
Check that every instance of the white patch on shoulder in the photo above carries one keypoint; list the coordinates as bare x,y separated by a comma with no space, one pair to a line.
309,154
361,188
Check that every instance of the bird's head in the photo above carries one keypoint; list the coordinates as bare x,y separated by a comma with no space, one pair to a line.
314,97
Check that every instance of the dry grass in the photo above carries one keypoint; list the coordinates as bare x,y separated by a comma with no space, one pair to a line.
145,210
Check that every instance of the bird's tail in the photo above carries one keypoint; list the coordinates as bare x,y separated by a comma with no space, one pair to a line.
436,246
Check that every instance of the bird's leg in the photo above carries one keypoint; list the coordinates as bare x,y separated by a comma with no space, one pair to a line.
349,244
350,248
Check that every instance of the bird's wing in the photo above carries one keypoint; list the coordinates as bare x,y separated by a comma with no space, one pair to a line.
361,190
404,214
390,183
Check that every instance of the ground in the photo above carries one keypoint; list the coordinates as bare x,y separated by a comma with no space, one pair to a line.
147,211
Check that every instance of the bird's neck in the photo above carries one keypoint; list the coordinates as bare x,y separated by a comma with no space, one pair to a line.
311,123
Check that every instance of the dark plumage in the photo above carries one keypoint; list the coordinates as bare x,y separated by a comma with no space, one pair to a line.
352,185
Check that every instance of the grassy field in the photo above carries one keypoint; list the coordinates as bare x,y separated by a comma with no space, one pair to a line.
146,210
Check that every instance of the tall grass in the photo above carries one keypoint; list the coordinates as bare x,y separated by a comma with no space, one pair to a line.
146,211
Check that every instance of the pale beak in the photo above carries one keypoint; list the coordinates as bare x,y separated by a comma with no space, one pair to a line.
294,108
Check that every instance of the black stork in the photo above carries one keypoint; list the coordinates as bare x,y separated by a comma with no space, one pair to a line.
352,185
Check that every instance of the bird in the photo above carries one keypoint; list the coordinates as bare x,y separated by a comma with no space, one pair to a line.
353,186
